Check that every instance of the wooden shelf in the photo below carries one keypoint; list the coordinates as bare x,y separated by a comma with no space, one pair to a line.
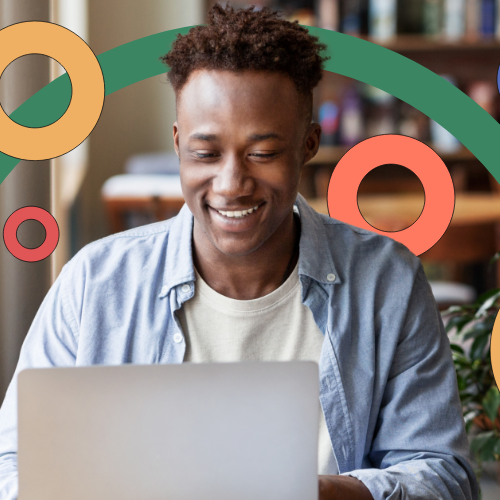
328,155
432,43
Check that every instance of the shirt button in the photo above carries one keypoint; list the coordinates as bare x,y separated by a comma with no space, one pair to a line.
330,277
178,337
185,288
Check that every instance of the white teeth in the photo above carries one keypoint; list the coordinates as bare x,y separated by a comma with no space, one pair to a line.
238,213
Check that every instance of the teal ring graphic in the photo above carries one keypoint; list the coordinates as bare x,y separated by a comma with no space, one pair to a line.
350,56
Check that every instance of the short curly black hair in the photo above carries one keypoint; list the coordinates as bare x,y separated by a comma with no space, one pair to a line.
248,39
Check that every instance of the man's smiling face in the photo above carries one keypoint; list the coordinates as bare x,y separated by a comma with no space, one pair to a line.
242,140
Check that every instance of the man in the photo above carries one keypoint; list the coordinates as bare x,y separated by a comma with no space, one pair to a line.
248,270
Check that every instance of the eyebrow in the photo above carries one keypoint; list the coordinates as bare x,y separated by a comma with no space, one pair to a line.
264,137
204,137
252,138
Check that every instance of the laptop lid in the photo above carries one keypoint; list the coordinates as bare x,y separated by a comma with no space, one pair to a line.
220,431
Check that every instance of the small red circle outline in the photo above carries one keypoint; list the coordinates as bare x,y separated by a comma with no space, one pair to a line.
31,254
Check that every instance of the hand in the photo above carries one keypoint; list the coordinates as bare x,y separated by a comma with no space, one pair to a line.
342,488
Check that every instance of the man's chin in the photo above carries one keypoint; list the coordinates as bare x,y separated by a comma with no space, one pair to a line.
235,246
237,251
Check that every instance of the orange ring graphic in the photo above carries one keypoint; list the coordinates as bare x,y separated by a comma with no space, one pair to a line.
87,82
410,153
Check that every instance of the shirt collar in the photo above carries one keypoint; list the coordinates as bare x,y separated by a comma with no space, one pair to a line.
315,257
179,267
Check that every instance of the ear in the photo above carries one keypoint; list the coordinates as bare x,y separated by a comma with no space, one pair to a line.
176,138
311,141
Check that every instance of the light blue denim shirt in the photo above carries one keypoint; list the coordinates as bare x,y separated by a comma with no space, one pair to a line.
387,382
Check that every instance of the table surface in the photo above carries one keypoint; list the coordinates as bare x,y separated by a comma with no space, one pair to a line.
393,210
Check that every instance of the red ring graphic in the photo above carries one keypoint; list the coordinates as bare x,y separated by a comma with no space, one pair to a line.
31,254
410,153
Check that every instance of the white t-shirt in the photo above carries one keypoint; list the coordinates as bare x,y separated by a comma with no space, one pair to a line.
276,327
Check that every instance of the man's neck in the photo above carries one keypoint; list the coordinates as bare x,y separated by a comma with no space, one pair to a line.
251,276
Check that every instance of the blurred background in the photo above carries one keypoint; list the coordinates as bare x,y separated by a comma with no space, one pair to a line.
133,179
126,173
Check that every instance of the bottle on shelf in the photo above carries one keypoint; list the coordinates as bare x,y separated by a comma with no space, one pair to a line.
410,14
382,19
485,94
351,118
454,19
329,121
352,12
472,18
497,20
442,140
432,17
328,14
380,115
488,18
412,123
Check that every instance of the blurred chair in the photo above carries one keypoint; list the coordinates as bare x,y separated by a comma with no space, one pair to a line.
153,163
448,293
134,200
149,191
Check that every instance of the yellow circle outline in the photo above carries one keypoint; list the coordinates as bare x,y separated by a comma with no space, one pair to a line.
87,81
495,350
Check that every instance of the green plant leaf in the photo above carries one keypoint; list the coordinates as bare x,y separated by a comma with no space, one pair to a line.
459,309
480,440
477,351
480,328
484,445
486,295
468,426
457,348
491,403
487,453
460,359
458,322
496,450
489,303
469,416
494,258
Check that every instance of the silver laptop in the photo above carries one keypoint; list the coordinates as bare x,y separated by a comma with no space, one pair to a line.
218,431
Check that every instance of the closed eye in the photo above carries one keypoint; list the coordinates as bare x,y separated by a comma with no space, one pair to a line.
205,155
264,155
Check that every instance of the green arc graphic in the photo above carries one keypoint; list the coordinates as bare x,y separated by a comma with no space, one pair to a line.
350,56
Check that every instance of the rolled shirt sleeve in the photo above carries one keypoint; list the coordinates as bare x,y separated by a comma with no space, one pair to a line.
51,341
420,449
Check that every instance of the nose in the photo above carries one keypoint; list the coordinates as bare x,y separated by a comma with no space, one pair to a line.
233,179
